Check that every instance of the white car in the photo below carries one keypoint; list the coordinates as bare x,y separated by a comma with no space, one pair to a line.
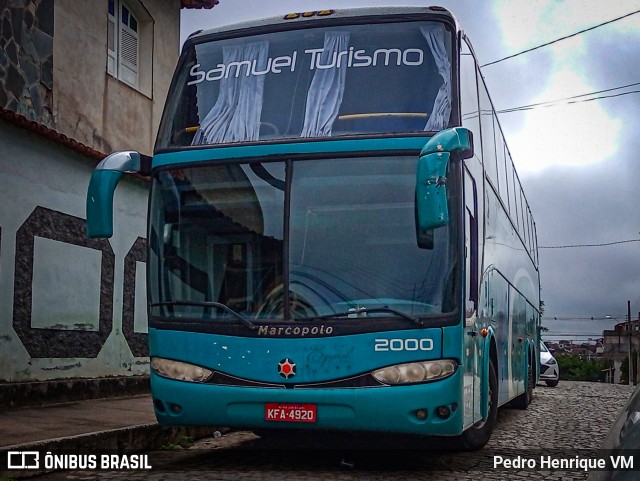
549,371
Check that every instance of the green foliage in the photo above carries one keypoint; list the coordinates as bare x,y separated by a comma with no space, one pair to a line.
184,442
573,368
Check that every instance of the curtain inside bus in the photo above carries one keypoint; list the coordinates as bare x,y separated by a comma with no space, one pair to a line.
236,114
434,33
327,88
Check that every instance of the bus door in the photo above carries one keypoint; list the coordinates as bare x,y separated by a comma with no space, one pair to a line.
472,338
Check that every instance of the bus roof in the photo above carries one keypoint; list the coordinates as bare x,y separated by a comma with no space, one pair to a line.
319,15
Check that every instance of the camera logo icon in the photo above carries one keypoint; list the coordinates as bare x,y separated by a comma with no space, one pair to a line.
23,460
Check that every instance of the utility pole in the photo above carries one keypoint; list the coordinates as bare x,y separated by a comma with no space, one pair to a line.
630,333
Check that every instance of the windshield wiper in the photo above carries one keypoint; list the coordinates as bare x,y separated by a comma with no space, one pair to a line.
353,312
218,305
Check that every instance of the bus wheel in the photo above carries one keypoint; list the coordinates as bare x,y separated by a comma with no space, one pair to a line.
479,434
524,399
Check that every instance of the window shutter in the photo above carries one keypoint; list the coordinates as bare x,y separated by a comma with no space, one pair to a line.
112,46
128,66
123,43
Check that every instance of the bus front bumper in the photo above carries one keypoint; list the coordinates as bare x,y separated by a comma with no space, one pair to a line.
412,409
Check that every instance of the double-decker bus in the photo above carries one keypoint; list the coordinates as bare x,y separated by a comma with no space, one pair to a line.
337,237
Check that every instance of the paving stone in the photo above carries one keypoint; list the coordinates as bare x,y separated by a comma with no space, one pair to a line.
571,417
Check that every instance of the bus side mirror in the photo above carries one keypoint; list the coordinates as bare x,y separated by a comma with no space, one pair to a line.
102,185
431,179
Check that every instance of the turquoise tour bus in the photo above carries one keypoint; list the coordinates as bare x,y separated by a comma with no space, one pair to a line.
337,237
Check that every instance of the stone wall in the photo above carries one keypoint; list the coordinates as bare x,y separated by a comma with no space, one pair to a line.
26,58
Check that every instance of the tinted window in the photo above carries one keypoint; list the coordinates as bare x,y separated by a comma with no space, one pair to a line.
319,82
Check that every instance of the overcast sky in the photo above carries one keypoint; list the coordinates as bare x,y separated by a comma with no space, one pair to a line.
579,162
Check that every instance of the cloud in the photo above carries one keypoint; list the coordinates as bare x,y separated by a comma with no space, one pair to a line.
567,135
576,168
586,206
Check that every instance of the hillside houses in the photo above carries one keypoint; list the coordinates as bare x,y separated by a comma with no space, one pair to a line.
591,349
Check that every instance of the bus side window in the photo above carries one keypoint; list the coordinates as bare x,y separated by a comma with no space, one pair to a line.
501,161
469,110
471,243
488,121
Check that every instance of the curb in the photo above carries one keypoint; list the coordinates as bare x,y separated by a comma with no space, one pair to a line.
40,393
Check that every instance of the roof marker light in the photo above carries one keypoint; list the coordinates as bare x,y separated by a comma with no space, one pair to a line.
315,13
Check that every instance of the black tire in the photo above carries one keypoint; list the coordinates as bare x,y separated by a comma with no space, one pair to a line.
524,399
553,383
479,434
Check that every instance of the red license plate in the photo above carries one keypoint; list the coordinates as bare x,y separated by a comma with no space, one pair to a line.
290,413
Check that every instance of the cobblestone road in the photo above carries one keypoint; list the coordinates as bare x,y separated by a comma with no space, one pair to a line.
563,422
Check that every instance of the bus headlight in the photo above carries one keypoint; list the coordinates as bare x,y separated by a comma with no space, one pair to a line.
414,372
178,370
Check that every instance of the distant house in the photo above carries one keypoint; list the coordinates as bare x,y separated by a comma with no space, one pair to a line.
77,81
588,350
599,349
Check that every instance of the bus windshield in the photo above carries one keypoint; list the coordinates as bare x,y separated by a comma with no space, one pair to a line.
334,234
316,82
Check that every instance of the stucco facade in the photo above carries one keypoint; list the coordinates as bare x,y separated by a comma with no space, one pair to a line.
65,300
117,116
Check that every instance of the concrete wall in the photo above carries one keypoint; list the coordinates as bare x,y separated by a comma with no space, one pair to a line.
73,307
70,307
616,346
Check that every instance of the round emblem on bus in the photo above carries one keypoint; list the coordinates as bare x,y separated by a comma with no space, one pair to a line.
287,368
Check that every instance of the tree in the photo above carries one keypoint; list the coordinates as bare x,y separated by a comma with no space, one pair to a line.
575,368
